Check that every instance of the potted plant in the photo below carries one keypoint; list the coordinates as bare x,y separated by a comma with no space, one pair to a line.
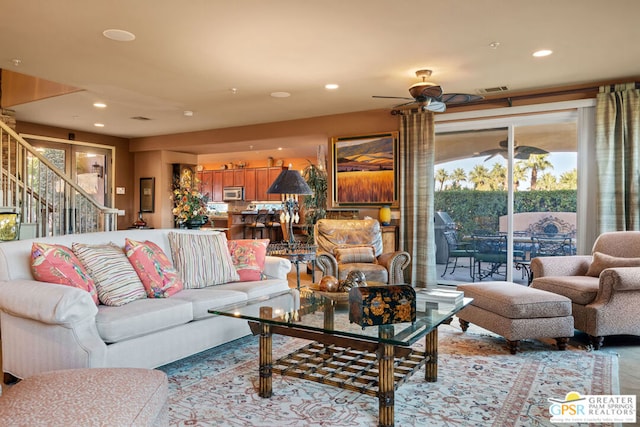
315,205
190,208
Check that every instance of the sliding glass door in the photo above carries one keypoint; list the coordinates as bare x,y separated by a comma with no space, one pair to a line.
506,191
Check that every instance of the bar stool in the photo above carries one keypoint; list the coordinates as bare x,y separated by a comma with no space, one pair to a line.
259,224
274,227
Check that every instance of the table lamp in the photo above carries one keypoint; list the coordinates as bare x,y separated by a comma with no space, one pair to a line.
290,184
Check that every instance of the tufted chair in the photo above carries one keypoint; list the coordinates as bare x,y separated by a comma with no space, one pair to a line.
604,287
356,244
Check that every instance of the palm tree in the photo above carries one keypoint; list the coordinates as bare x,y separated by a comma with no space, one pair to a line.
536,163
441,176
498,176
480,177
457,177
569,180
547,182
519,174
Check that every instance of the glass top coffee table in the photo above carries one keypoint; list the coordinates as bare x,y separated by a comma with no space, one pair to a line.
374,360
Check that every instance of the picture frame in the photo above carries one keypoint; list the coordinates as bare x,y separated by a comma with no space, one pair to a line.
147,194
365,170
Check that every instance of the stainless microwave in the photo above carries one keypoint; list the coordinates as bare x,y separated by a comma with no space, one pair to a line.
232,193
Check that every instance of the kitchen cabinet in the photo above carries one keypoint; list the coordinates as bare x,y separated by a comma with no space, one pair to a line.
250,185
256,182
206,183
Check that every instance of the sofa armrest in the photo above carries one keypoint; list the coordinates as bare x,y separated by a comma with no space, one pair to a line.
46,302
276,267
327,263
574,265
620,279
395,263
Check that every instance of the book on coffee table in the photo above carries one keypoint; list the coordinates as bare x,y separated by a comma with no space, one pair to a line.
438,298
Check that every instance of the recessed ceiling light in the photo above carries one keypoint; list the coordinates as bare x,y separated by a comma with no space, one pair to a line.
542,52
187,113
494,45
331,86
100,105
280,94
99,125
118,35
16,62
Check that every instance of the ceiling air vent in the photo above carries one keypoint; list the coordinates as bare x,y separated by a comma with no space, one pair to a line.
494,89
141,118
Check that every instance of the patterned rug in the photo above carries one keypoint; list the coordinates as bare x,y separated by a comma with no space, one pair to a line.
479,384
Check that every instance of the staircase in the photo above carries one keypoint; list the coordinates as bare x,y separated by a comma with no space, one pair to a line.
47,201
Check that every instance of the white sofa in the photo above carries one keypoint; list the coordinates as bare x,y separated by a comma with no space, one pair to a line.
46,326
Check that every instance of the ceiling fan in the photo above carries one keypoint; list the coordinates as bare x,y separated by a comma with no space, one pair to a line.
520,152
429,96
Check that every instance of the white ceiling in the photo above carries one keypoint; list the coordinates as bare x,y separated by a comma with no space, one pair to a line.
189,55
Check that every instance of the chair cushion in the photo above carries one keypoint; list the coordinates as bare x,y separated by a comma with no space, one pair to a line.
372,272
354,253
579,289
58,264
116,280
603,261
159,277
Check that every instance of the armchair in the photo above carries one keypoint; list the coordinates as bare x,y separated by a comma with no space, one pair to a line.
348,245
604,287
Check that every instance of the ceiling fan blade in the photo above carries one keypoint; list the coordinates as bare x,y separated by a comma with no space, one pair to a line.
460,98
405,103
391,97
522,152
435,106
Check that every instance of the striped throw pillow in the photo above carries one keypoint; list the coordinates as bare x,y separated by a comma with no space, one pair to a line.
203,259
116,280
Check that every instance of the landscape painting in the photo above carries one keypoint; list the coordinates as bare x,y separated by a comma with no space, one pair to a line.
364,170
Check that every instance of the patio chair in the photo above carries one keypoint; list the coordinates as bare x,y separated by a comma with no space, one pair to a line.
457,249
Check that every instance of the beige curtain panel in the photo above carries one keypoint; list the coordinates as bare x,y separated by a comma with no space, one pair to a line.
416,175
618,157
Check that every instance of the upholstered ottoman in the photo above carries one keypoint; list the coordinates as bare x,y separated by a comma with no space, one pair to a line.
88,397
517,312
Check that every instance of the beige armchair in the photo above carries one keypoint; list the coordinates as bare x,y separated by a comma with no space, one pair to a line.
348,245
604,287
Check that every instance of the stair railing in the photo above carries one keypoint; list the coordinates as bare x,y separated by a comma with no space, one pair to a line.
45,196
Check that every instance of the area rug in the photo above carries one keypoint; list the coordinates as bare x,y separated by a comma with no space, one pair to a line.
479,384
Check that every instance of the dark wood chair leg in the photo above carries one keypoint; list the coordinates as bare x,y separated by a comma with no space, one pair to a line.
514,346
464,325
10,379
596,342
562,343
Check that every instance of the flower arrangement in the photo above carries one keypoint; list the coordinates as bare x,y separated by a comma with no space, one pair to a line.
190,204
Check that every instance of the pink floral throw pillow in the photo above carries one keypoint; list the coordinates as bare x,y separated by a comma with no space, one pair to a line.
58,264
248,257
159,277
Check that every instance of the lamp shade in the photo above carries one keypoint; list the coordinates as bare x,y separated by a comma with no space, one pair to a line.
289,182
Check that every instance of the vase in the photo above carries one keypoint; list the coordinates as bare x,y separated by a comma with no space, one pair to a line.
194,223
384,215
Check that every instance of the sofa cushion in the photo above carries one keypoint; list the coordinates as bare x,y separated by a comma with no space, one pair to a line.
355,253
603,261
141,317
205,299
116,280
579,289
258,289
203,259
159,278
248,257
58,264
